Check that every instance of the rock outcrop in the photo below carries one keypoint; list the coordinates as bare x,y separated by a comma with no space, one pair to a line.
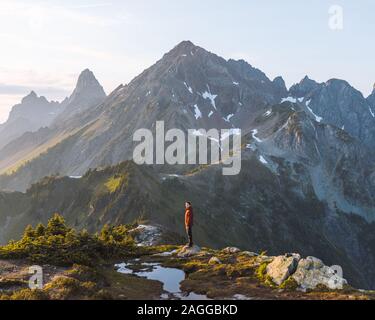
308,273
187,251
146,235
282,267
311,272
231,250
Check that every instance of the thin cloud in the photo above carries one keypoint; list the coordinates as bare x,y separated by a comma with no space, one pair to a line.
40,14
17,90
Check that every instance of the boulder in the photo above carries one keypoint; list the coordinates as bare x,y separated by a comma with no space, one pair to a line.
146,235
231,250
214,260
187,251
282,267
311,272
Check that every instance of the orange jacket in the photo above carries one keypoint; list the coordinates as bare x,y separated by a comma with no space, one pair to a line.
189,217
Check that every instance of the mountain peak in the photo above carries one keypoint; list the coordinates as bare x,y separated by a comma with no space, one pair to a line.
88,92
186,44
31,97
307,81
32,94
87,80
280,84
279,81
185,47
89,84
305,86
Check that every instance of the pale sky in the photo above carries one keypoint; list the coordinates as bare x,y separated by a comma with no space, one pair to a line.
44,45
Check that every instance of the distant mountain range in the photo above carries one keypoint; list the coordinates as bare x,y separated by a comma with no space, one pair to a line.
31,114
308,177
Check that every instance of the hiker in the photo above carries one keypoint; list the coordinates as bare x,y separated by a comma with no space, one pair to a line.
189,222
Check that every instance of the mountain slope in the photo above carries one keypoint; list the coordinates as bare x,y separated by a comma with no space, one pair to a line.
256,210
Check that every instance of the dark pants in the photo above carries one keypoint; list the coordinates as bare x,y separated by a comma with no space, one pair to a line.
189,234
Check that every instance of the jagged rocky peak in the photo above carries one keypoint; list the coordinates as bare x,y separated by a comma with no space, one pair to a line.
305,86
88,82
184,50
31,114
279,83
87,93
32,106
32,97
184,47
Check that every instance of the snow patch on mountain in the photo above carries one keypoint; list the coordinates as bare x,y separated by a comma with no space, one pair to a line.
289,99
254,133
228,117
317,118
372,112
198,113
188,87
262,160
208,95
267,113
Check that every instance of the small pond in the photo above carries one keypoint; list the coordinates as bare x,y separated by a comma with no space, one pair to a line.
171,278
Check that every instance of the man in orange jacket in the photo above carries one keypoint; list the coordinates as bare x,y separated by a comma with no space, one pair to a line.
189,222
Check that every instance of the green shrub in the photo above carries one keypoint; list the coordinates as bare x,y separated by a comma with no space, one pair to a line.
60,245
289,284
26,294
261,272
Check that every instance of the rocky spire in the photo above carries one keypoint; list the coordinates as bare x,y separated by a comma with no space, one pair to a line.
87,90
302,88
87,81
32,96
